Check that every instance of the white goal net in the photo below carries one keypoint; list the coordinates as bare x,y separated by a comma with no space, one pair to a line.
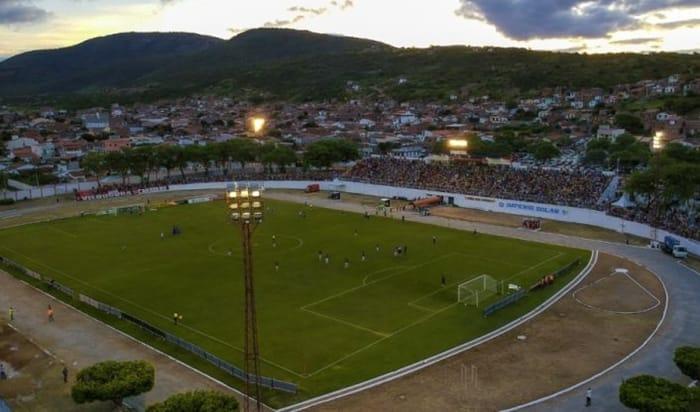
475,291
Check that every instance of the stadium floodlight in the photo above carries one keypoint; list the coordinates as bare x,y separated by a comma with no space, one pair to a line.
258,124
245,206
657,143
457,144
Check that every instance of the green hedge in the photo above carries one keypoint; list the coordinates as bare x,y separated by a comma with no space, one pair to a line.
197,401
647,393
7,201
113,381
687,358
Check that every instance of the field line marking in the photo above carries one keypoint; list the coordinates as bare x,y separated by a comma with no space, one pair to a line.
442,289
346,291
616,312
152,312
611,367
391,269
419,307
344,322
410,325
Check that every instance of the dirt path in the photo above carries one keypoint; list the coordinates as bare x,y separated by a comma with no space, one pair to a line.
563,346
78,341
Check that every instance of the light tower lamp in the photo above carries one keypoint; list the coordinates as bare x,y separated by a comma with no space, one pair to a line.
245,206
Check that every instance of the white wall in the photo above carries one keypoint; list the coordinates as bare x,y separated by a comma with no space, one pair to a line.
539,210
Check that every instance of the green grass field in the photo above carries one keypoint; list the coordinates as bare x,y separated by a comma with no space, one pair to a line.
321,325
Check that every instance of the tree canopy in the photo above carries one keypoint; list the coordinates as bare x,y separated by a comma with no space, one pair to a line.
197,401
113,381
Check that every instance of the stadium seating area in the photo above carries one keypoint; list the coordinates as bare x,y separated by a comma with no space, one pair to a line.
577,188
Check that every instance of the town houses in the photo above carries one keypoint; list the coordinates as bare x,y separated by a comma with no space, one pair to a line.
57,139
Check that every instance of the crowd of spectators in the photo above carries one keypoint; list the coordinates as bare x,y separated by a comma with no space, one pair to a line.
252,175
118,190
673,220
577,188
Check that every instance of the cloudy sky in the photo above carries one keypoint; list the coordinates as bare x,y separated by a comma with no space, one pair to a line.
571,25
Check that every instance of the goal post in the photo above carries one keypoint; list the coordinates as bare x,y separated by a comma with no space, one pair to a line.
475,291
136,209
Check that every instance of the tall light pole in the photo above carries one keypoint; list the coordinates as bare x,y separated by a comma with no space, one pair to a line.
246,208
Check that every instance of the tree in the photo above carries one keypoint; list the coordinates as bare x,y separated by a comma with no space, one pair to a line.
96,164
113,381
544,150
687,358
119,163
183,155
386,147
243,151
223,152
651,394
166,156
324,153
631,123
279,155
197,401
139,162
596,157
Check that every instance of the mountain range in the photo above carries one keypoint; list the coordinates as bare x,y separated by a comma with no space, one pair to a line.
301,65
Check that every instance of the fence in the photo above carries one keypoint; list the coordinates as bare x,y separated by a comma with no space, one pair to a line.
506,301
168,337
521,293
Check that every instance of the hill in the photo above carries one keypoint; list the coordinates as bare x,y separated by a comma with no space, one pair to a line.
283,64
109,61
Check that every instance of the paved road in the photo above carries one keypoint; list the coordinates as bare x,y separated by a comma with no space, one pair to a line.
80,341
681,326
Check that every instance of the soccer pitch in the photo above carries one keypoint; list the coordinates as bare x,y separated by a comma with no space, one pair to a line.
321,325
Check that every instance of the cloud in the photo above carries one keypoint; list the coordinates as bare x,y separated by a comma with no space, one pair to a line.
307,10
638,41
345,4
528,19
21,12
284,22
677,24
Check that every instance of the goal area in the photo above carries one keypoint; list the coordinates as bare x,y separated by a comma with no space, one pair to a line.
475,291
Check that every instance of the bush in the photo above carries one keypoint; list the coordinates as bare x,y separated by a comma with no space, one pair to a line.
113,381
197,401
687,358
5,202
651,394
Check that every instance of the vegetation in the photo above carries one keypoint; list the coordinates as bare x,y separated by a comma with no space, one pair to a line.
197,401
124,263
672,178
113,381
324,153
147,161
651,394
687,358
270,64
625,153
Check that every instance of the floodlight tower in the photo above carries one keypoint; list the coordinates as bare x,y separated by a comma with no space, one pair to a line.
246,209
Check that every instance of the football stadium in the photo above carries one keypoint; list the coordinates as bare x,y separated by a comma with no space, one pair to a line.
341,297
